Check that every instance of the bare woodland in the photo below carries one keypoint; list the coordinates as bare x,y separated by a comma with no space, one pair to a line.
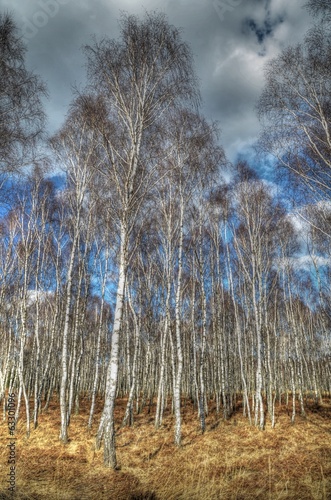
147,275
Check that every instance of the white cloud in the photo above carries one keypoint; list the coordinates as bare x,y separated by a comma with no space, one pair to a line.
299,224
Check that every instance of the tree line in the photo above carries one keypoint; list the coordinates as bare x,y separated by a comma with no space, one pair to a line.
146,273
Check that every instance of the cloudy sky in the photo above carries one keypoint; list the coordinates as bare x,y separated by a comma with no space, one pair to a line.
231,41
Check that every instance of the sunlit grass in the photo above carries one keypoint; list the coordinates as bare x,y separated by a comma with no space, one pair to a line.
232,460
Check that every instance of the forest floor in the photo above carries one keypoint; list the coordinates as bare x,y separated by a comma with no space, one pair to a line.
232,460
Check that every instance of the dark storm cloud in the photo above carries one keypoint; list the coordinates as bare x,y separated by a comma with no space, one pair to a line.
229,52
263,30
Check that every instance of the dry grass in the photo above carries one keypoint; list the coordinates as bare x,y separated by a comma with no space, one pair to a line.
230,461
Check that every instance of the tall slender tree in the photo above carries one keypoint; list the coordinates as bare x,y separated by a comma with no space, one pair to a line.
139,77
22,117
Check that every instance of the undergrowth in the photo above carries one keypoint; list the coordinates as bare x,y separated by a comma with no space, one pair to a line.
231,460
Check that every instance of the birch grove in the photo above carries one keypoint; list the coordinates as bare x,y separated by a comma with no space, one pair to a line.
152,270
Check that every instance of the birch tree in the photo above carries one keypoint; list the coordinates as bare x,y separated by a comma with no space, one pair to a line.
294,107
254,243
137,77
74,148
21,112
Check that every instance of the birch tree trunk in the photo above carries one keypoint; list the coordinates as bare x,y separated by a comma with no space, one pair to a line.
128,417
179,352
65,340
107,423
97,354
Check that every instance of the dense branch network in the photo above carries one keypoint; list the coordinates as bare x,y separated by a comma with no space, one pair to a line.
145,275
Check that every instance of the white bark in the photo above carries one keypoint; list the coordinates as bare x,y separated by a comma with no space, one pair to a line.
107,424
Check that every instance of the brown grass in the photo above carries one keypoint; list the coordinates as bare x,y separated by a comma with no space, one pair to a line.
232,460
